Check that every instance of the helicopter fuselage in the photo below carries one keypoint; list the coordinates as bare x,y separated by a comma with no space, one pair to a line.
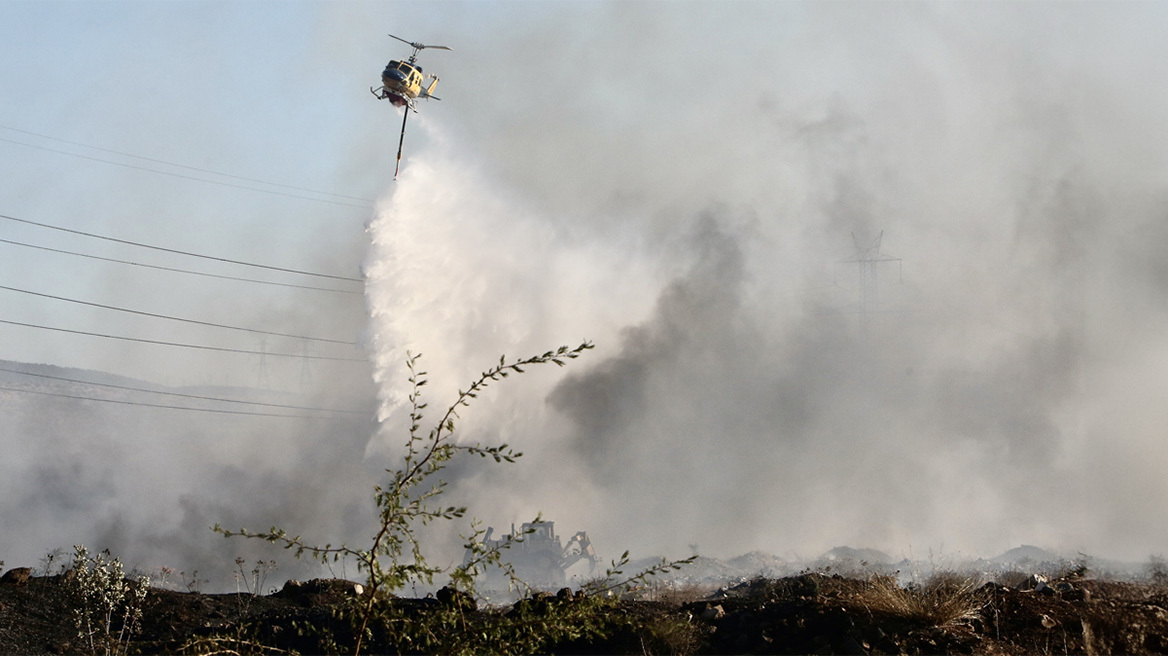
403,80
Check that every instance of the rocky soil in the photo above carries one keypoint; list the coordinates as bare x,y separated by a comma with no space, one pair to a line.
801,614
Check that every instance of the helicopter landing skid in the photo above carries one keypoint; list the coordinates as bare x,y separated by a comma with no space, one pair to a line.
397,100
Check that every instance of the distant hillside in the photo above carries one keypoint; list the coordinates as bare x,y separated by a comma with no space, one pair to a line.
1025,555
48,372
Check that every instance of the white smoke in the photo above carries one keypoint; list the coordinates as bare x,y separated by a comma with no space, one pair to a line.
459,268
736,399
676,182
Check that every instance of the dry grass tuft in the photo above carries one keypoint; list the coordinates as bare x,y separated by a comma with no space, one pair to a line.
676,595
1014,579
670,634
944,599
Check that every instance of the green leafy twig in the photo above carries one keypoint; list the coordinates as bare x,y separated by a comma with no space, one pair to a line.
395,557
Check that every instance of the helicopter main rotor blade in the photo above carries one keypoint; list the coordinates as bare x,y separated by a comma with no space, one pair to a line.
419,46
403,40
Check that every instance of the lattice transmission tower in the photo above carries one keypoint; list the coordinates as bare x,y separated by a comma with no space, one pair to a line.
262,380
868,257
305,368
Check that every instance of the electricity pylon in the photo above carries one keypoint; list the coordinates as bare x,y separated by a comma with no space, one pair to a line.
868,257
305,371
262,381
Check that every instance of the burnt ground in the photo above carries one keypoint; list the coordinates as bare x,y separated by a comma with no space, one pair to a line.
805,614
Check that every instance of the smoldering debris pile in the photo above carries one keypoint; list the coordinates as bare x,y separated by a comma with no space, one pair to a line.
1021,563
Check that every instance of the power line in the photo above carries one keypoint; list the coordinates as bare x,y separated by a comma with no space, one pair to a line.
182,345
186,177
180,252
159,405
177,270
182,166
170,318
179,394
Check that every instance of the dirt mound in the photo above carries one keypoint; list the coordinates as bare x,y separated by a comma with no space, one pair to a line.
809,613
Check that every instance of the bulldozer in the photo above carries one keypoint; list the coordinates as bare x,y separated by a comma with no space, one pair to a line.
538,555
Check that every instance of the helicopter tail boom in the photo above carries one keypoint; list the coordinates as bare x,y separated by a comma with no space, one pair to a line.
429,91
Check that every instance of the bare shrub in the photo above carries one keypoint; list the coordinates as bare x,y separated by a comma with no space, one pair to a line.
108,606
396,559
676,595
1158,571
670,634
1012,579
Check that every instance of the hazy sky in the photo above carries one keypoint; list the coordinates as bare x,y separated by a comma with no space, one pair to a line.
676,181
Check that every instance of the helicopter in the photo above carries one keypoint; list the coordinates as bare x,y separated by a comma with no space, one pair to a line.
402,84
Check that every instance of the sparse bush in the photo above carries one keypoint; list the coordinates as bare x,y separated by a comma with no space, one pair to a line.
253,581
162,577
396,560
107,606
536,624
947,580
191,581
1075,568
233,645
1014,579
671,634
1158,571
944,599
677,594
53,563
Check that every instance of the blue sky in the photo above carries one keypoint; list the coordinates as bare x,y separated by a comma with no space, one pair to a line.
273,92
